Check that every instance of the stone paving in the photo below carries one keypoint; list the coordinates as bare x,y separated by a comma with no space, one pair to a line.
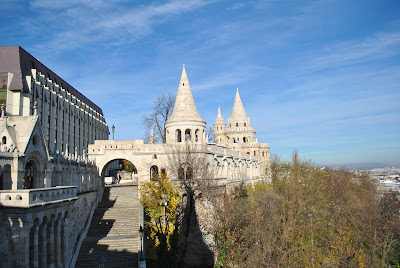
114,229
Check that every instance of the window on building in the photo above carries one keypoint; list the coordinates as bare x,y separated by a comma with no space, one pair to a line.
237,124
263,154
178,135
4,140
244,124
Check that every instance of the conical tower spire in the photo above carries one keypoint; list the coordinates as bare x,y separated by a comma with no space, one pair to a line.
152,138
219,119
238,111
185,109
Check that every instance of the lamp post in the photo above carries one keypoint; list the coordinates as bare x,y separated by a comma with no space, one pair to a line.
142,260
113,129
101,260
164,204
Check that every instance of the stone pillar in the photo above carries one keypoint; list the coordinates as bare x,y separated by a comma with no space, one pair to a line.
193,135
57,243
43,244
63,242
47,178
34,244
19,235
50,243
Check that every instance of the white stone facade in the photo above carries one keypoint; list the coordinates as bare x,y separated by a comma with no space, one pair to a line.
228,163
239,135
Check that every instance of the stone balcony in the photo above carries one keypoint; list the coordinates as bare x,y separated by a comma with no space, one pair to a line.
26,198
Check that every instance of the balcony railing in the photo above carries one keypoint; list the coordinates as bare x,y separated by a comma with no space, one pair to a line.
27,198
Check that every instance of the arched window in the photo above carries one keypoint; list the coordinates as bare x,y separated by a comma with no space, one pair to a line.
4,140
237,124
196,135
244,139
188,135
244,124
30,172
154,173
178,135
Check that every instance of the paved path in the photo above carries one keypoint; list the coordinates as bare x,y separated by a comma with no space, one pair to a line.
114,229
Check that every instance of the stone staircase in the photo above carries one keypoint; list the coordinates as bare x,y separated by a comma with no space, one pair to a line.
114,229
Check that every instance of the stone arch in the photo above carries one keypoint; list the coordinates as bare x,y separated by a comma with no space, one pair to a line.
185,172
178,135
188,134
31,179
115,167
154,173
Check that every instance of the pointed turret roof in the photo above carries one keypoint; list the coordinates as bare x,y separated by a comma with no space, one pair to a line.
238,109
185,108
152,138
219,119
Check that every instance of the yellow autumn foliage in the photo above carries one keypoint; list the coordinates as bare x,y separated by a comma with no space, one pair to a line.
151,198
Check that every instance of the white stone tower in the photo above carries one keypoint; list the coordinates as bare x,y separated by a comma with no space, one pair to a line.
239,129
219,129
185,123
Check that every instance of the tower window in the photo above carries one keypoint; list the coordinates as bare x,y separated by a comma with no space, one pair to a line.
4,140
244,124
237,124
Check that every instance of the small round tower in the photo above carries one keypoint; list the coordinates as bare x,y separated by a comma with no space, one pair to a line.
219,129
185,123
239,129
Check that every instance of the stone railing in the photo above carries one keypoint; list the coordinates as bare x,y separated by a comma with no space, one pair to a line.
37,197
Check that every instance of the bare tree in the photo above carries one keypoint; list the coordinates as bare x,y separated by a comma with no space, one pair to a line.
156,120
189,166
210,134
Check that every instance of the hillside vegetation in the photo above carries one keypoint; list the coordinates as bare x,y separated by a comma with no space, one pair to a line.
308,217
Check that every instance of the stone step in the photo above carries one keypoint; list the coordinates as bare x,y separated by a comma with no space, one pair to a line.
114,230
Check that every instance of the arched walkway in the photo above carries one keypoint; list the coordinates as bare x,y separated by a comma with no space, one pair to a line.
120,169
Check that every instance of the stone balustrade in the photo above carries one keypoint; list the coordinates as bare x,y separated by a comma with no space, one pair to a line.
27,198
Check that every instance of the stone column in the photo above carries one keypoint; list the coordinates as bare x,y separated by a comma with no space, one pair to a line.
47,178
192,135
50,243
63,242
34,243
57,243
19,235
42,249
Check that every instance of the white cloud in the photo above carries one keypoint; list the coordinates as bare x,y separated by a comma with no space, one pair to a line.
100,22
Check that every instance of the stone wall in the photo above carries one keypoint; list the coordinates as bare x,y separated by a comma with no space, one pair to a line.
79,221
23,243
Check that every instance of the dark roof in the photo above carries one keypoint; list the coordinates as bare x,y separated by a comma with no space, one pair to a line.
16,60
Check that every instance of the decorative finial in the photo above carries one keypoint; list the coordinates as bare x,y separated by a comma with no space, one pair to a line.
152,138
3,110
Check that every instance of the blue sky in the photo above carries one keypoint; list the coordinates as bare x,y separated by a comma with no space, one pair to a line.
319,76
